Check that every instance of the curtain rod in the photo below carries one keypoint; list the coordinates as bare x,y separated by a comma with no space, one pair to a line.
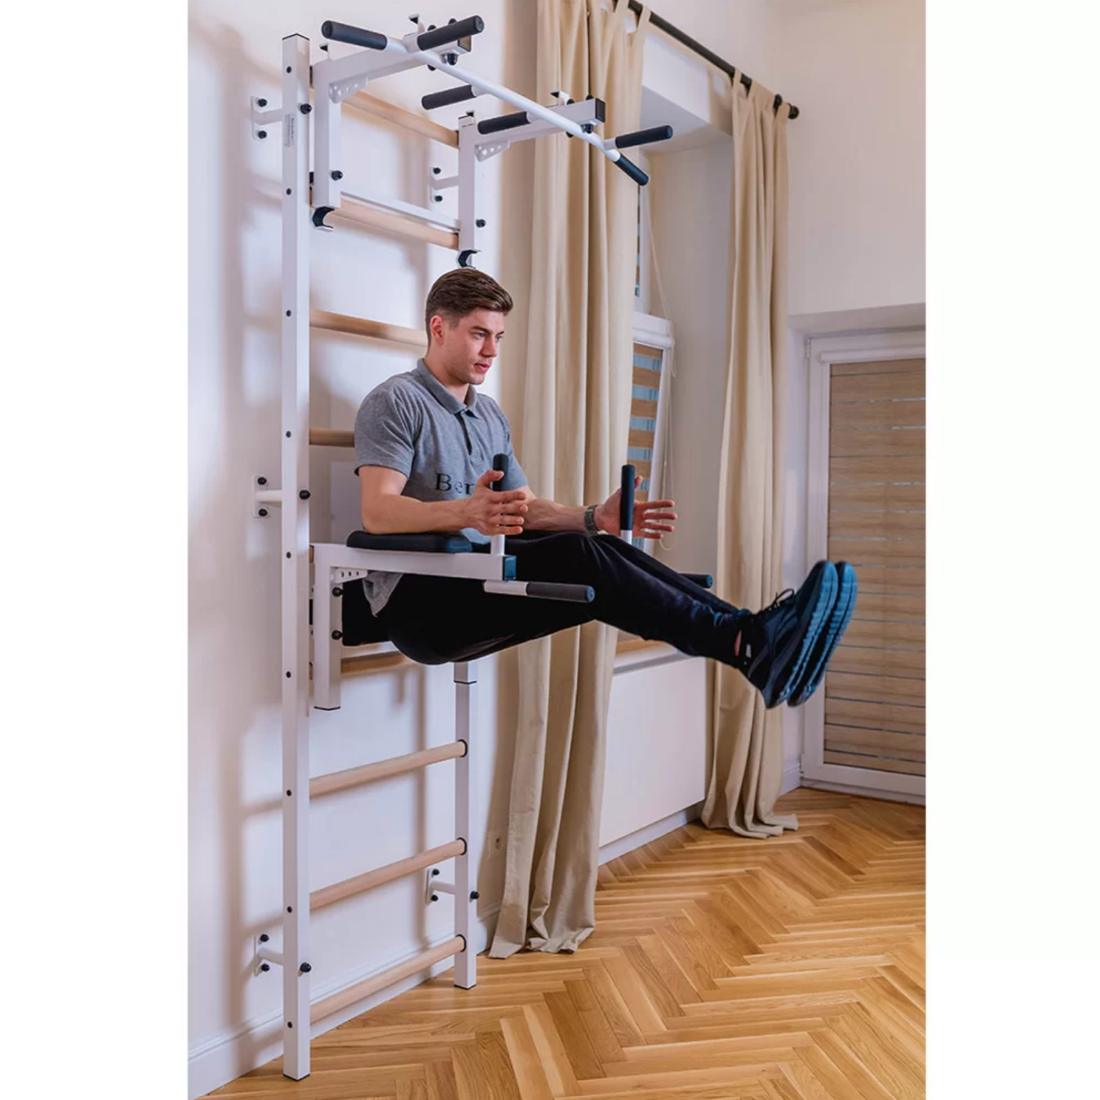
700,49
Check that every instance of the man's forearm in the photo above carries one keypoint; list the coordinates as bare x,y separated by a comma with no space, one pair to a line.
390,514
549,515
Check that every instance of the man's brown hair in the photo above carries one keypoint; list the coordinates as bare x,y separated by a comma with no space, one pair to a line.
460,292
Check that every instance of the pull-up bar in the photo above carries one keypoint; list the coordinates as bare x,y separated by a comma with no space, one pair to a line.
419,46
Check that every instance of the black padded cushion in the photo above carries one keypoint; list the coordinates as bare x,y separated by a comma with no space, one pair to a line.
444,543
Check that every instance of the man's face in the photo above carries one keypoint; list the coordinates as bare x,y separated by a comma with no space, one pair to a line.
469,346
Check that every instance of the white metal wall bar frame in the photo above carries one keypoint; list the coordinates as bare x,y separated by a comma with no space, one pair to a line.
303,209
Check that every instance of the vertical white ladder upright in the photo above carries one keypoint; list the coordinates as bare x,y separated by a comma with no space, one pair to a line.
298,902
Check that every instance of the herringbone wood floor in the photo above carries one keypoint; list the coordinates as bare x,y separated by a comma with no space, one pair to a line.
720,968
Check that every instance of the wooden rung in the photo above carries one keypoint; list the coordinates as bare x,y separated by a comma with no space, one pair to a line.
373,330
365,988
399,116
368,662
397,765
338,891
331,437
388,222
373,662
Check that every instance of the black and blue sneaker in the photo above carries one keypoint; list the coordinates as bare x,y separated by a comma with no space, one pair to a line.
777,643
829,638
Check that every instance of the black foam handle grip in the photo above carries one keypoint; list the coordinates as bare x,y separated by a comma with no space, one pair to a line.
633,171
643,137
500,462
354,36
703,580
571,593
502,122
626,500
444,99
452,32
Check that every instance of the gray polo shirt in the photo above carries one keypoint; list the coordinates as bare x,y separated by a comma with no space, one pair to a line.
413,424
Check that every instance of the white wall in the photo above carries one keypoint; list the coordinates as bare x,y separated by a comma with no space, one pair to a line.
856,68
234,413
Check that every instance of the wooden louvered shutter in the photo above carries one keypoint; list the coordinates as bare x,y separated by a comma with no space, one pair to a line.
874,691
644,396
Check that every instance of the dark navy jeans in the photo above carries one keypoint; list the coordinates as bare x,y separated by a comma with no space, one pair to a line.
435,620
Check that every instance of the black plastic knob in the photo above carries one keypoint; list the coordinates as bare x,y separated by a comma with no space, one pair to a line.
305,108
261,102
474,895
304,494
264,967
305,968
337,591
262,134
337,174
337,635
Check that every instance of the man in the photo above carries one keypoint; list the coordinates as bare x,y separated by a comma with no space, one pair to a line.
424,447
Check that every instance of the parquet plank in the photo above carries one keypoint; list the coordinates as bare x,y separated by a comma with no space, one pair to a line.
526,1063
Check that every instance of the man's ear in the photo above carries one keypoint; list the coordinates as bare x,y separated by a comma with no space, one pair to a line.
437,325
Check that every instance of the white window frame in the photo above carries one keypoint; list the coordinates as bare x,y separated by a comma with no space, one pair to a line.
821,353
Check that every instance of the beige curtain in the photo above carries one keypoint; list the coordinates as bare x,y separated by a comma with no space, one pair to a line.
575,424
747,754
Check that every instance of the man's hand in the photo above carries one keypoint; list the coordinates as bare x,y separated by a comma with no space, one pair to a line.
494,513
652,518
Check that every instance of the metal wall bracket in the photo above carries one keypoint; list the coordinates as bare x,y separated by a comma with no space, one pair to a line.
263,955
434,886
264,498
264,118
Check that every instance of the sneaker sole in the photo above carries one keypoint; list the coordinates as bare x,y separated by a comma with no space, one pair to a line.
803,646
830,638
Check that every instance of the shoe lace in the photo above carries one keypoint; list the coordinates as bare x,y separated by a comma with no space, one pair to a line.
784,597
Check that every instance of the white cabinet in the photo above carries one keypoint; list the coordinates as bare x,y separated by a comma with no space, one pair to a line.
656,740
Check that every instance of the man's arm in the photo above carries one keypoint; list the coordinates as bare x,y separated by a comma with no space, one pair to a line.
549,515
651,517
384,511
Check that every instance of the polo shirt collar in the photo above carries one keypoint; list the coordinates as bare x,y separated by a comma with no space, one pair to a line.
444,395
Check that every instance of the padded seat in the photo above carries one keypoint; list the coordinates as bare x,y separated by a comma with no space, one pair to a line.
448,542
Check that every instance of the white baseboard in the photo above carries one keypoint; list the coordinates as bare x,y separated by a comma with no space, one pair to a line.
863,792
792,778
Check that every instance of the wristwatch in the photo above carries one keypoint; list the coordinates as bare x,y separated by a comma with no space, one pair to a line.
590,520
